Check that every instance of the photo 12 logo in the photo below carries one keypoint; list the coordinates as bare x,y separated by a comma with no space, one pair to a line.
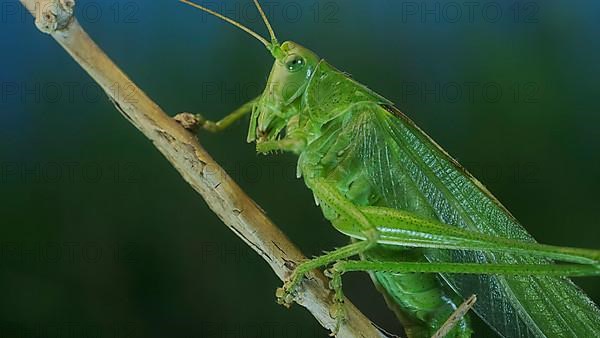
116,12
66,252
69,172
428,12
470,92
276,11
35,92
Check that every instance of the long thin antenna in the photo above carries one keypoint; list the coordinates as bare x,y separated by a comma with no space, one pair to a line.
264,17
231,21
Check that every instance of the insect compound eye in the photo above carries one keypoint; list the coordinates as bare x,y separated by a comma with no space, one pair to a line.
294,63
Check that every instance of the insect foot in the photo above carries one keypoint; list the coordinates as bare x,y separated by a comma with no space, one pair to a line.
337,310
285,296
288,292
189,121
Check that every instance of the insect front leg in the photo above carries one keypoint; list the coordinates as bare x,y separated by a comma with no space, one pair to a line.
194,121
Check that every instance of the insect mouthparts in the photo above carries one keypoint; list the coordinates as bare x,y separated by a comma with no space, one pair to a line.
262,134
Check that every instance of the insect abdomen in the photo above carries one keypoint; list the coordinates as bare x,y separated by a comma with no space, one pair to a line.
423,303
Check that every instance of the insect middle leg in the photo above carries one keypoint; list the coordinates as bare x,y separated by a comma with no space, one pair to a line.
193,121
328,195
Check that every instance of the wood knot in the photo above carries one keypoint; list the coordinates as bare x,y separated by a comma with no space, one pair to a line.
188,121
54,15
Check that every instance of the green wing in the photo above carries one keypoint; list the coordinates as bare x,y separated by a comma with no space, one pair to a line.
411,172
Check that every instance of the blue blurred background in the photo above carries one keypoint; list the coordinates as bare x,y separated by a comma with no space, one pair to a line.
100,237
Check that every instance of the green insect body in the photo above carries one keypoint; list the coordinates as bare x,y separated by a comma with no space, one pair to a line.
324,132
427,231
347,134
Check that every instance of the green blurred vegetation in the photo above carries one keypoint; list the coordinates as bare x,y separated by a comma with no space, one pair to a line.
99,235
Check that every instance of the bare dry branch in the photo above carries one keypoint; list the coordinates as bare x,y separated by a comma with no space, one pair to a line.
182,150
